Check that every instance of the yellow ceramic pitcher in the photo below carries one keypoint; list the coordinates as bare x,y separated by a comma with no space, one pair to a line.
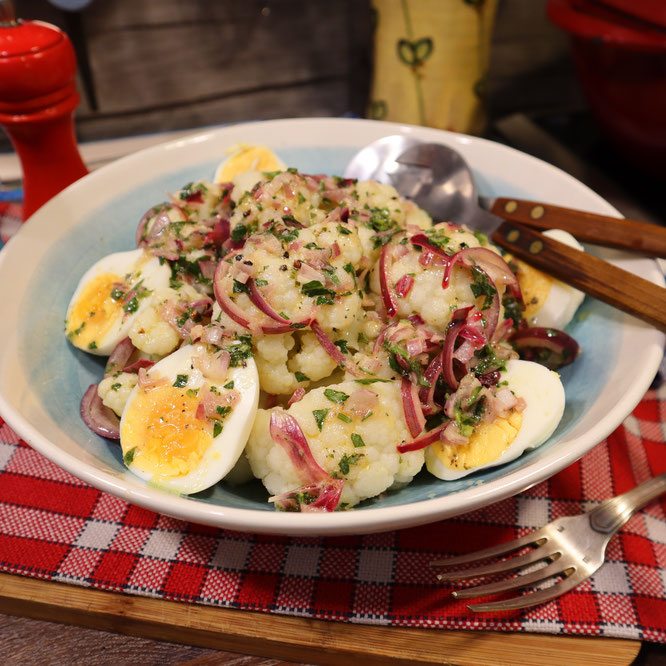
430,62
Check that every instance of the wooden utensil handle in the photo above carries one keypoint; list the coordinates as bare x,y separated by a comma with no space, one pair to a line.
587,227
612,285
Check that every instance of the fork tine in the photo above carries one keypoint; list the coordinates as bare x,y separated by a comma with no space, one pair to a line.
509,564
500,549
509,584
533,598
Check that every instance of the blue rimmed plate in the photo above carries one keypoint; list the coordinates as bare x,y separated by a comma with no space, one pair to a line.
42,377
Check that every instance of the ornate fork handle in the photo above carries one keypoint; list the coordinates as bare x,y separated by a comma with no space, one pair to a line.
609,516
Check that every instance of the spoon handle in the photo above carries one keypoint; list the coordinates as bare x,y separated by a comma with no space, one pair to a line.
587,227
612,285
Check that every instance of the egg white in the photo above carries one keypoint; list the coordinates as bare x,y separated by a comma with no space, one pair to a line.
543,393
225,449
153,275
245,167
563,300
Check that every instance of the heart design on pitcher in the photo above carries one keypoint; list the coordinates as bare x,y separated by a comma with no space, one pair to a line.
414,53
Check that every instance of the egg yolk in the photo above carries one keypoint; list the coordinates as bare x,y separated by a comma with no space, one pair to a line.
535,287
248,158
95,312
162,434
486,444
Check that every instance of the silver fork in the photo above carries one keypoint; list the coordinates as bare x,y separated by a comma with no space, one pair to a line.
575,546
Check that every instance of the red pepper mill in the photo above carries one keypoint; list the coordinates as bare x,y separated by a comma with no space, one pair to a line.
37,100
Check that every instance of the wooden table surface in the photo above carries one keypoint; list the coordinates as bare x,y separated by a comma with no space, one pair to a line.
108,628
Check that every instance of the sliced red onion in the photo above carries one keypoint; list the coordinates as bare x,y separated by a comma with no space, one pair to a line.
411,407
207,267
332,350
138,365
257,298
423,241
548,346
361,402
286,432
431,375
404,285
296,396
490,263
448,349
119,357
384,268
424,440
97,416
220,232
237,314
147,382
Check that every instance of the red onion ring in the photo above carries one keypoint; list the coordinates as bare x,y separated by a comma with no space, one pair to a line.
411,407
97,416
333,351
528,341
286,432
384,268
119,357
237,314
490,263
424,440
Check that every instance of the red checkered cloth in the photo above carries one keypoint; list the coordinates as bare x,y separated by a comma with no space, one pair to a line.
55,527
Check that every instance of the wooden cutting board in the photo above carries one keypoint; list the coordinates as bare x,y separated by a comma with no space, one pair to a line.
298,639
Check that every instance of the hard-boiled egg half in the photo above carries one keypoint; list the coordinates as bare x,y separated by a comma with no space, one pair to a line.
109,297
187,421
549,303
505,439
245,166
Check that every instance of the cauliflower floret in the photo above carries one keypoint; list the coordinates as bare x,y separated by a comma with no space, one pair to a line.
312,360
359,446
426,297
115,389
151,334
271,359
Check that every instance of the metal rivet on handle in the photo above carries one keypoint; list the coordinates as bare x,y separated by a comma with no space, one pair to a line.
510,206
535,247
537,212
513,235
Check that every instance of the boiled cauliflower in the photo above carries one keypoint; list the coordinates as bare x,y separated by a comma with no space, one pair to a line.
352,431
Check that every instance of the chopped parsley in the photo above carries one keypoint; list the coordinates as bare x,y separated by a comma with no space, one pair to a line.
346,461
217,428
482,287
319,416
132,305
240,288
92,345
229,385
239,350
357,440
181,381
316,288
129,456
371,380
344,417
335,396
117,293
342,346
301,377
239,232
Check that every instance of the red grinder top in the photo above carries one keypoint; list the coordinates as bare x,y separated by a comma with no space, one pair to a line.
36,61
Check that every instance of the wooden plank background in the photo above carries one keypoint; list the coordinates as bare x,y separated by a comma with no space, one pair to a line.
160,65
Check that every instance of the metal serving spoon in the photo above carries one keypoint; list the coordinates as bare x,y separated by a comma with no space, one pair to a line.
437,178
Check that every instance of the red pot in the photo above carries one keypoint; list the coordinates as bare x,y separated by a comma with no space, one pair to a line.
621,64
